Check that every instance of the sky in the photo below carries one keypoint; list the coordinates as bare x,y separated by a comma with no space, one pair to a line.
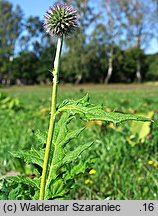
33,7
39,7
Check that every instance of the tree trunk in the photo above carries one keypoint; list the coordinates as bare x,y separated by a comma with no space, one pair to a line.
18,82
8,80
110,69
79,78
138,73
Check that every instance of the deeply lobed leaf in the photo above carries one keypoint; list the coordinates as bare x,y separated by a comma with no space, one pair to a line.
90,112
60,154
33,156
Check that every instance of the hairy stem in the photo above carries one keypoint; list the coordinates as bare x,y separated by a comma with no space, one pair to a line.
52,118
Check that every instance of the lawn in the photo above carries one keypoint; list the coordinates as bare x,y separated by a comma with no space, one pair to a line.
125,155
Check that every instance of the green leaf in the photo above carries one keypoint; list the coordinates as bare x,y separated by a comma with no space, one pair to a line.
35,183
22,187
78,169
71,135
32,156
90,112
61,130
61,155
41,136
5,100
57,188
62,136
73,155
13,195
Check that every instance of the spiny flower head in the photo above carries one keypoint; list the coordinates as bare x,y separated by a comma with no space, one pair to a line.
60,20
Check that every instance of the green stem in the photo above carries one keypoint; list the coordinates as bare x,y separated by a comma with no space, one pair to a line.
52,118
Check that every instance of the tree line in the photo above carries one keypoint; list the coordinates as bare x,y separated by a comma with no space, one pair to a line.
107,47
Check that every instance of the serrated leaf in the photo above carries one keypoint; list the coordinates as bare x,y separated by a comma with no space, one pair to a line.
78,169
62,137
35,183
41,136
61,130
61,155
13,195
19,187
71,135
57,188
32,156
91,112
73,155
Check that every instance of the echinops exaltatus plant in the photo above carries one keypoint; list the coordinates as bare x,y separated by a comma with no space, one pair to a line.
61,20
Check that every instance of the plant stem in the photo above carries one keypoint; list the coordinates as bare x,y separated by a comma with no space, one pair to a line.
52,117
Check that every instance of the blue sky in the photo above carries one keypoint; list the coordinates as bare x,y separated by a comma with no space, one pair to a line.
33,7
39,7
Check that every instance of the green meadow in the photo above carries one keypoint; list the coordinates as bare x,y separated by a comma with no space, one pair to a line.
124,156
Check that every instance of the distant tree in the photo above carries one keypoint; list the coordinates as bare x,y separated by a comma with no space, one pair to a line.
25,68
35,40
32,36
113,30
98,55
140,22
76,47
129,66
10,29
45,64
152,62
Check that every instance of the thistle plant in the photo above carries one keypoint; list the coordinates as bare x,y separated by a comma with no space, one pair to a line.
61,20
60,163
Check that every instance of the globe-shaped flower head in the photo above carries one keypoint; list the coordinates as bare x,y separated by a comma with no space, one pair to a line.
60,20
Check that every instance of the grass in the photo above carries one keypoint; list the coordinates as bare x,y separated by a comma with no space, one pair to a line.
122,169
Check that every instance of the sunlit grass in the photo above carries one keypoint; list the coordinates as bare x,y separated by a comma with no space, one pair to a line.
121,171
